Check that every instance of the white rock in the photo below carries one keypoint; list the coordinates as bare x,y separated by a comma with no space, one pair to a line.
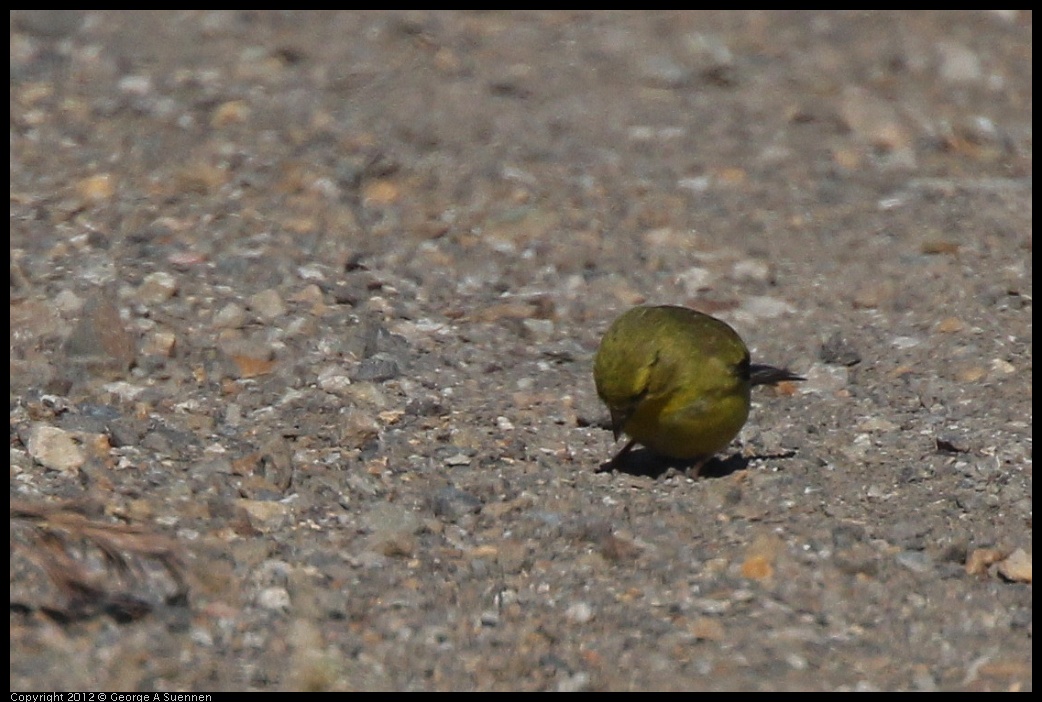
55,448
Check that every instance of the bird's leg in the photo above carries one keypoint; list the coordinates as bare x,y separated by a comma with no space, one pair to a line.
693,470
622,453
613,463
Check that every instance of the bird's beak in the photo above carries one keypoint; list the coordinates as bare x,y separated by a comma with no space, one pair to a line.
618,420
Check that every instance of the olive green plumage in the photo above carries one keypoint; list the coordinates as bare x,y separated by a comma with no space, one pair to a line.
677,381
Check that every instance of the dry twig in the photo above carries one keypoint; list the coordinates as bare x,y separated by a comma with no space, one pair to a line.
96,566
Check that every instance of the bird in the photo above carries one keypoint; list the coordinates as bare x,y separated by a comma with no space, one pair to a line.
677,381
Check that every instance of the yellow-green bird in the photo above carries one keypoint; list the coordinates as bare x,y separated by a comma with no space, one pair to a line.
677,381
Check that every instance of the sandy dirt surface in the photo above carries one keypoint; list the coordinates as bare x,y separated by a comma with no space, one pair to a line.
303,308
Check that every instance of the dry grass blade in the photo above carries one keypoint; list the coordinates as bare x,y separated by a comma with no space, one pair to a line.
96,566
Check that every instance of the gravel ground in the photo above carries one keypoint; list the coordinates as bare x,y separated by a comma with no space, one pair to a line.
303,308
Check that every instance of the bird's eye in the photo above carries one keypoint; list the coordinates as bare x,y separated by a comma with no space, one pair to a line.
635,399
